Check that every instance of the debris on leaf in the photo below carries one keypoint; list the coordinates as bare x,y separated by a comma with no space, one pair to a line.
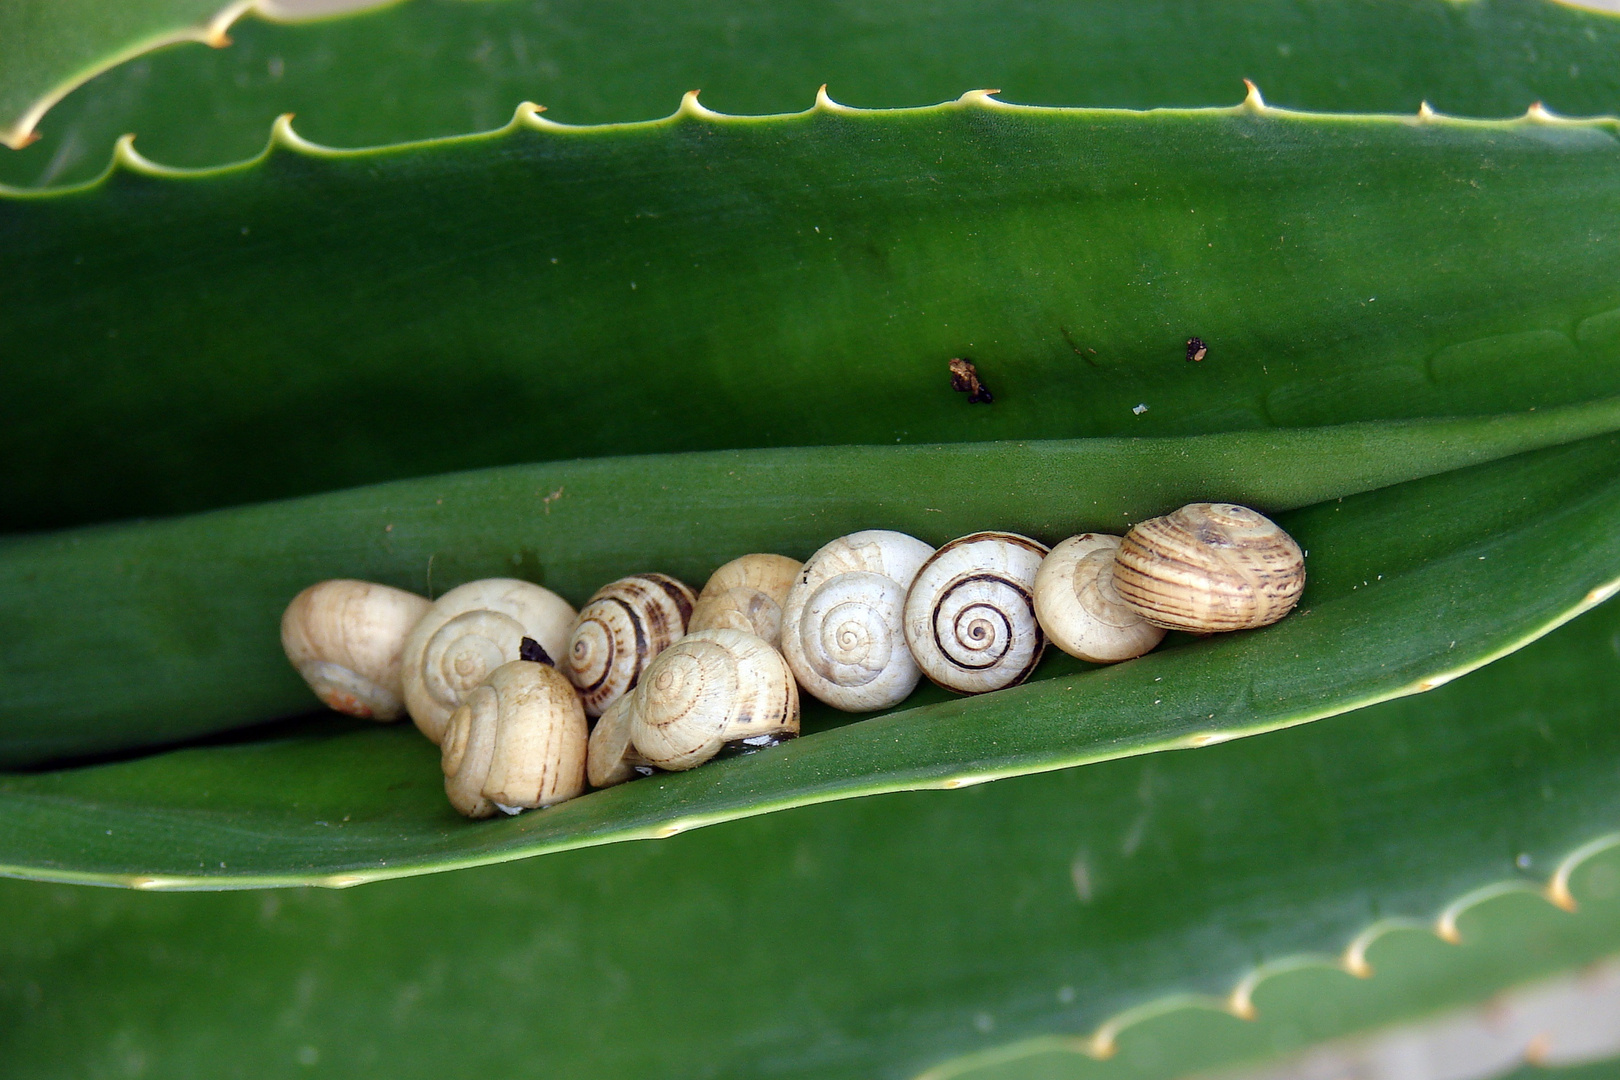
1196,349
965,380
1139,410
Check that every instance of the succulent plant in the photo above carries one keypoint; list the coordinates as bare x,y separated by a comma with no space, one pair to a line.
427,334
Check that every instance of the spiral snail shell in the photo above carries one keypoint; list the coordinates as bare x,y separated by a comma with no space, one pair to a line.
346,638
746,594
1078,608
841,623
611,757
710,689
468,633
622,627
970,615
517,742
1209,567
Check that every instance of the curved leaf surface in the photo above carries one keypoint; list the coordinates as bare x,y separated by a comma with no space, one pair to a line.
446,67
314,319
1410,586
1137,900
182,615
54,46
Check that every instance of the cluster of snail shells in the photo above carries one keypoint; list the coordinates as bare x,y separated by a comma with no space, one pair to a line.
503,673
873,611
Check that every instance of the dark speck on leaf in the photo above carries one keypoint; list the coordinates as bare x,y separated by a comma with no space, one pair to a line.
1196,349
965,380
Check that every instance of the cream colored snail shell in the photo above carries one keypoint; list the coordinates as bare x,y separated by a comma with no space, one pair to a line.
468,633
1078,608
619,630
708,690
970,615
346,638
746,594
516,743
1209,567
841,623
611,757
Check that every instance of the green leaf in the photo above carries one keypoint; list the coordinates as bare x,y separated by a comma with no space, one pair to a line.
54,46
881,937
313,320
1409,586
447,67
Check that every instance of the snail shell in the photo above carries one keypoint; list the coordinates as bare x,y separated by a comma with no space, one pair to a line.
1209,567
1078,608
707,690
611,757
619,630
970,615
746,594
346,637
841,623
468,633
516,743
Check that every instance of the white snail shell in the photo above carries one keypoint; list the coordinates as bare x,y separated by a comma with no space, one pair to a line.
746,594
970,615
619,630
1078,608
611,757
707,690
346,638
841,623
517,742
1210,567
468,633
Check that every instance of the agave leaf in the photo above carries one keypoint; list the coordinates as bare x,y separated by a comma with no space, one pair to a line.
54,46
315,319
1132,905
1411,585
447,67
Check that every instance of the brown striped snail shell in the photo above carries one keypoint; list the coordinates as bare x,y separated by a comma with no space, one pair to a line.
468,633
708,690
970,615
1209,567
1078,608
346,638
746,594
612,757
517,742
842,630
619,630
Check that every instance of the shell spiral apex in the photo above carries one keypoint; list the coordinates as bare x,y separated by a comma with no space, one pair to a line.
970,615
746,594
619,630
1210,567
468,633
708,690
842,631
1078,608
346,638
518,742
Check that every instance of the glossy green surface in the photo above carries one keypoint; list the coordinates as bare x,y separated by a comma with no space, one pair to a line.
53,45
446,67
879,937
310,320
1409,586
